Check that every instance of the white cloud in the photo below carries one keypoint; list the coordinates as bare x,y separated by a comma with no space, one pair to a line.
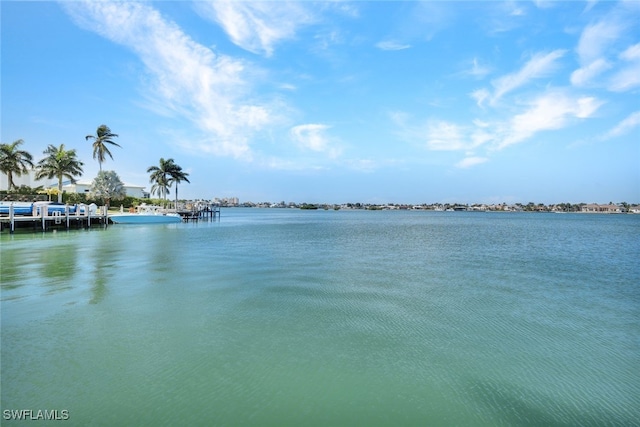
187,79
445,136
589,6
538,66
632,53
625,126
550,111
582,76
467,162
480,95
313,137
362,165
478,70
628,77
599,51
544,4
596,39
257,26
392,45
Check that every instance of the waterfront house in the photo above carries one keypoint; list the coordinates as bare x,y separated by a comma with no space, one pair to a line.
84,187
596,208
81,187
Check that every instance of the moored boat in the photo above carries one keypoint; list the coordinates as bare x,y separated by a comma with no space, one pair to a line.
146,214
53,207
19,208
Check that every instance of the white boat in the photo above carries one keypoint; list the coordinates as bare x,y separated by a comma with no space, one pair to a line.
146,214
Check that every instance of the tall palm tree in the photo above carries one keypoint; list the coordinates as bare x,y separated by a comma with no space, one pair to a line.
160,187
59,163
164,175
14,161
160,177
102,137
177,176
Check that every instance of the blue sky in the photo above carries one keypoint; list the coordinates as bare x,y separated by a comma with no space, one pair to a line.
381,102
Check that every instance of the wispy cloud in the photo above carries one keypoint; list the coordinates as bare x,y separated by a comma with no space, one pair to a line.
596,38
392,45
552,110
628,77
582,76
257,26
313,136
598,52
442,135
468,162
189,80
555,109
445,136
540,65
478,70
625,126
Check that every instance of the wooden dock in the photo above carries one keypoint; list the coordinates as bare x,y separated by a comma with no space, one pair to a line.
207,214
45,221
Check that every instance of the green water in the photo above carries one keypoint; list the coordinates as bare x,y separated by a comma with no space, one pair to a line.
287,317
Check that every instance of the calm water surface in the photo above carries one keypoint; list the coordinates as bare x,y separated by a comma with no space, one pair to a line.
288,317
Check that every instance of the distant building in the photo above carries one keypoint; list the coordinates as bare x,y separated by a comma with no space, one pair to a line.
596,208
226,201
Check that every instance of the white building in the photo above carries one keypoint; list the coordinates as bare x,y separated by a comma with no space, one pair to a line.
29,179
85,187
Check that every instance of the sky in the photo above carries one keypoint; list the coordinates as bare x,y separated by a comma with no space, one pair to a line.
336,102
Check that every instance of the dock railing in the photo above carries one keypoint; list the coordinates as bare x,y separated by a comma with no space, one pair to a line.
40,215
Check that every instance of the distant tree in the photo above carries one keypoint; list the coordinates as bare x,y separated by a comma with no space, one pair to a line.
101,139
59,163
108,186
14,161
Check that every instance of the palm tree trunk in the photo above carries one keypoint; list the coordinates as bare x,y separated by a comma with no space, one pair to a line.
59,188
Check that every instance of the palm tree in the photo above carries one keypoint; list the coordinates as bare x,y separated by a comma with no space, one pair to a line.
177,176
102,137
160,187
160,177
59,163
164,175
14,161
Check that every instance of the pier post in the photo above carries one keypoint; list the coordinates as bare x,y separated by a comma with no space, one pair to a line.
12,225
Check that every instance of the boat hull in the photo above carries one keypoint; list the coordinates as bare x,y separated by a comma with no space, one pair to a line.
145,219
19,208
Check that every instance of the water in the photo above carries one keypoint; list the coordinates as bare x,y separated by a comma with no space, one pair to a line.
287,317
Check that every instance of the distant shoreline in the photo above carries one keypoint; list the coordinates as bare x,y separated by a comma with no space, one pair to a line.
622,208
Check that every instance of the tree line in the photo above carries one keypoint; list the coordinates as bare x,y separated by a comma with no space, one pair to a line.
60,162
